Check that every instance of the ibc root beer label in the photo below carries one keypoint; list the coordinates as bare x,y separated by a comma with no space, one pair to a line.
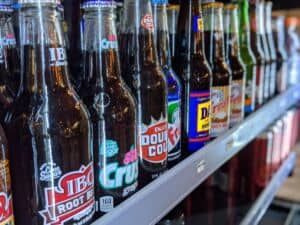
237,102
117,176
72,199
199,119
174,128
220,110
6,209
154,138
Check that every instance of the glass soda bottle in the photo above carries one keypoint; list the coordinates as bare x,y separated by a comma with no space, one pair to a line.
143,74
195,75
222,75
258,52
51,158
247,56
173,13
266,50
233,58
271,45
111,106
9,61
174,86
282,57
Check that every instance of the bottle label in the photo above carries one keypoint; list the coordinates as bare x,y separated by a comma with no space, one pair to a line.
111,42
198,24
174,129
118,175
147,22
250,90
237,102
6,209
199,119
154,141
6,204
71,199
57,57
220,110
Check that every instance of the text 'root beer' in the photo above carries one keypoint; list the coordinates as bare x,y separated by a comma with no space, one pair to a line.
51,157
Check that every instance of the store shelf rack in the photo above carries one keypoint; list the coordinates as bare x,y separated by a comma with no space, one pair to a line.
154,201
261,205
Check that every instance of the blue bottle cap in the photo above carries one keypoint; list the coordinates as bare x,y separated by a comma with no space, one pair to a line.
6,8
98,3
38,1
159,2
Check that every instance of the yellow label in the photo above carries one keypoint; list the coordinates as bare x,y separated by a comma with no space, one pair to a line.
200,24
9,221
203,120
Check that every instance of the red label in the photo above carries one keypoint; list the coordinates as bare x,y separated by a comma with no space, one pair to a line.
6,207
73,196
147,22
154,143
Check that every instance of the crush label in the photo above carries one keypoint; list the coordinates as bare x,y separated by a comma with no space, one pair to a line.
237,102
154,142
220,110
72,198
6,209
199,119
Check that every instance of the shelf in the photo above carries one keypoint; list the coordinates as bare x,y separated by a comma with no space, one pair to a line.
154,201
262,204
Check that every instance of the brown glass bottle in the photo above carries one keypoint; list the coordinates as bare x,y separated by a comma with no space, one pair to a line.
9,62
112,109
233,59
257,49
196,77
51,158
222,75
282,57
143,74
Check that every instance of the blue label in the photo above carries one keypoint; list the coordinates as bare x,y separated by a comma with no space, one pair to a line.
199,120
197,24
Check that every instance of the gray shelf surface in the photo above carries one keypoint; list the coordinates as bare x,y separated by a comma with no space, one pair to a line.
155,200
265,199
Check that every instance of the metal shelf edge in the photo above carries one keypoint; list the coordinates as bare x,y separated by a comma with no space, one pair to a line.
261,205
155,200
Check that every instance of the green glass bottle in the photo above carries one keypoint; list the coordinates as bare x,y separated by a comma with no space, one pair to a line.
247,56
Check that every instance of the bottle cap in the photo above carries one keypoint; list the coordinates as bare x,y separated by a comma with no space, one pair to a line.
98,3
174,7
159,2
212,5
5,8
39,1
231,6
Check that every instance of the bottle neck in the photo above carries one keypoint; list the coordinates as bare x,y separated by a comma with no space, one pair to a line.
244,24
213,18
268,17
138,24
254,20
232,33
261,19
162,34
7,35
100,39
197,29
43,55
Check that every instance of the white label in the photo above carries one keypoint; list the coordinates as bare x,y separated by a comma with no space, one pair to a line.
106,204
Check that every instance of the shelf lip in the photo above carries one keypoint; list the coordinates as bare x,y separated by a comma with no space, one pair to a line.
155,200
265,199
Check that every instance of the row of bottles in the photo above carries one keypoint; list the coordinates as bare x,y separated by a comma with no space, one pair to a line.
80,143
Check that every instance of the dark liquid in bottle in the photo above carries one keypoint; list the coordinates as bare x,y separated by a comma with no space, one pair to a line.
48,131
113,117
